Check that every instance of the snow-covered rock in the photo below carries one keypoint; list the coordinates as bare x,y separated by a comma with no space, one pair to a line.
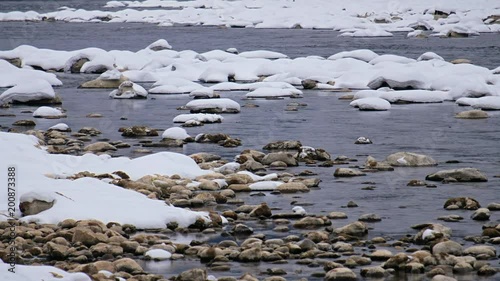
129,90
39,272
36,90
175,133
487,103
159,45
158,254
371,104
222,105
361,54
203,93
415,96
62,127
200,117
48,112
274,93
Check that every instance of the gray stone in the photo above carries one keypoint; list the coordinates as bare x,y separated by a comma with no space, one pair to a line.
409,159
461,175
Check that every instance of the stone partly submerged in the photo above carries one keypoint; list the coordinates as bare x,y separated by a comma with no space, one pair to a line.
460,175
409,159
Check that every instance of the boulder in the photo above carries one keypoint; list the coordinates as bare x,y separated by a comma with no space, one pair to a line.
127,265
461,175
308,153
33,207
309,223
340,274
409,159
279,156
100,83
99,147
347,172
292,187
466,203
373,272
357,229
195,274
129,90
447,247
481,214
488,251
84,236
138,131
283,145
262,210
309,84
472,114
251,255
441,277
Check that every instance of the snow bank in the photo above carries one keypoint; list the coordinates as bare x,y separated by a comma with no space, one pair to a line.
274,93
12,76
487,103
415,96
89,198
39,272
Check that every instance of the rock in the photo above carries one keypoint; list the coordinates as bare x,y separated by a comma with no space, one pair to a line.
369,218
466,203
431,232
283,145
448,248
100,83
381,255
337,215
195,274
357,229
292,187
89,131
35,206
373,272
307,153
84,236
472,114
460,175
241,229
363,140
127,265
409,159
262,210
203,157
493,207
398,261
24,123
488,251
250,255
481,214
309,223
347,172
414,268
462,268
487,270
440,277
99,147
129,90
57,251
340,274
15,62
138,131
309,84
278,165
279,156
342,247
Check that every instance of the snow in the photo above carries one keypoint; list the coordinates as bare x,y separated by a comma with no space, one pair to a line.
60,127
429,56
39,272
273,93
362,54
375,103
159,44
112,74
88,198
466,101
255,177
265,185
12,76
175,133
201,117
158,254
223,104
203,92
36,89
45,112
415,96
487,103
370,32
262,55
129,90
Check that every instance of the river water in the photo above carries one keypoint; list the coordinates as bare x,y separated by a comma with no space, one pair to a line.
326,122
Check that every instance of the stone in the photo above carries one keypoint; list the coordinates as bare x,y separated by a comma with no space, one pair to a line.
127,265
203,157
466,203
238,179
283,145
84,236
414,268
363,140
487,270
340,274
481,214
381,255
250,255
357,229
89,131
100,147
472,114
488,251
447,247
24,123
347,172
409,159
440,277
493,207
103,84
373,272
309,223
35,206
138,131
292,187
398,261
241,229
337,215
307,153
57,251
195,274
262,210
460,175
280,156
309,84
369,218
462,268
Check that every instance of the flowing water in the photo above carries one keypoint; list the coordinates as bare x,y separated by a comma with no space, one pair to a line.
326,122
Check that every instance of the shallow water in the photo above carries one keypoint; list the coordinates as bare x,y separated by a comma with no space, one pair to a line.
326,122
